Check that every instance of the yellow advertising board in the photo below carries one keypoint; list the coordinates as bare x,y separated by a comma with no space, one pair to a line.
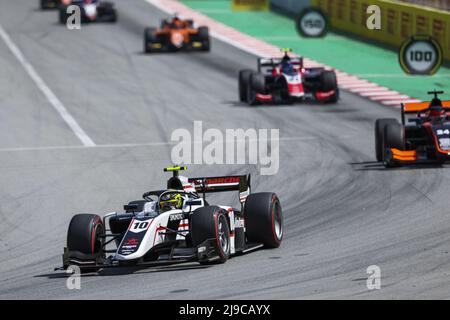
250,5
398,21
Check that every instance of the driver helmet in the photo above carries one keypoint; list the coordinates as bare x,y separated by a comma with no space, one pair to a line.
170,201
287,67
436,113
176,22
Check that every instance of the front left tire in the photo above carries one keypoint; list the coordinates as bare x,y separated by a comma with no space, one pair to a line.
393,138
329,82
380,124
212,223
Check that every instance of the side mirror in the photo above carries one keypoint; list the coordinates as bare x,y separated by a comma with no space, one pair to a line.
130,207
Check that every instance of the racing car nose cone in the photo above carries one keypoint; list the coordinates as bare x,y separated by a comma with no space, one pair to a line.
91,11
177,39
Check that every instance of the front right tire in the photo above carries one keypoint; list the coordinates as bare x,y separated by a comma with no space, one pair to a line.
244,79
84,234
393,138
256,84
149,38
380,124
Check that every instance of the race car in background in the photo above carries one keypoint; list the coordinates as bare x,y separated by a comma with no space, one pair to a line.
286,80
50,4
176,34
177,225
419,139
91,11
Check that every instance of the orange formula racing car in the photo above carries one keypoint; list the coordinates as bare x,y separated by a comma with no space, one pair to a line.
423,138
176,34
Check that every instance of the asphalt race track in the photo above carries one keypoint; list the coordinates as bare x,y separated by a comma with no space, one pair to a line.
343,212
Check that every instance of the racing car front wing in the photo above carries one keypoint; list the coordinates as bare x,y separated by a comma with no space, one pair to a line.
204,252
276,98
395,156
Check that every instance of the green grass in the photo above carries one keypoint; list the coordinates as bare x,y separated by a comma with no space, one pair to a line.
366,60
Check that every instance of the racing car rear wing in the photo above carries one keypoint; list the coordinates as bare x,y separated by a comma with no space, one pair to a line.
273,62
220,184
210,184
421,106
415,107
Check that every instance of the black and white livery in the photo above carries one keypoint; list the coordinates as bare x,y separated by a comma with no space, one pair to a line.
177,225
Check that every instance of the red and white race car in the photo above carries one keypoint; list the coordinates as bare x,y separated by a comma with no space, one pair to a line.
286,80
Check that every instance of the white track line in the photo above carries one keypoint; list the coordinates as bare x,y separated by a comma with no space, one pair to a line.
387,98
156,144
48,93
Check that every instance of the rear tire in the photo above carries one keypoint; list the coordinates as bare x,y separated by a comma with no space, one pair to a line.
211,223
328,81
244,79
264,219
380,124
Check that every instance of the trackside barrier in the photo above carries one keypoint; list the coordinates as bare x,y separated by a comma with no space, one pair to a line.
290,6
250,5
398,21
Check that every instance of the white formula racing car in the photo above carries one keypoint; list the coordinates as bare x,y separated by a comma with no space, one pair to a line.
176,225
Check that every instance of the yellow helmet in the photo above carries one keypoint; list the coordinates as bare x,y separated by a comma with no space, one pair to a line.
170,201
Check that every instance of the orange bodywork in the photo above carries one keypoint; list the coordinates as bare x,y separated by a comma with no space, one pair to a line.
180,33
404,155
422,106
